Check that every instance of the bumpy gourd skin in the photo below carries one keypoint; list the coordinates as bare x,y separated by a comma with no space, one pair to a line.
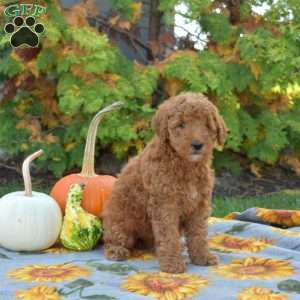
81,230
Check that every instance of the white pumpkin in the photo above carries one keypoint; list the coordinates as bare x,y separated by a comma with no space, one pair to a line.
29,221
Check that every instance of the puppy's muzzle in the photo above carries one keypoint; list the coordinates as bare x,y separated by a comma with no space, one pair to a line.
196,147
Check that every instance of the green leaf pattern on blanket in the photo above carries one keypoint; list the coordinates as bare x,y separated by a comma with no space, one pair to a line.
78,286
3,256
79,283
290,286
116,268
236,228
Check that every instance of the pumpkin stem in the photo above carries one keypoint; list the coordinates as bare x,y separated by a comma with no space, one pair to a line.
88,164
26,171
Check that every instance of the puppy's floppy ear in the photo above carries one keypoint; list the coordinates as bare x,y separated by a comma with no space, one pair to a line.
217,125
160,121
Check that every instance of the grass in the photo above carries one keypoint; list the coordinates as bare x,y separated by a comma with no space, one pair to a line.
13,187
287,199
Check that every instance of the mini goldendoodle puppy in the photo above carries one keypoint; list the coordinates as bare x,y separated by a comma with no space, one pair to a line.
166,190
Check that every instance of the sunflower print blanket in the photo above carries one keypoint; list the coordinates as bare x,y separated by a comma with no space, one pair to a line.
257,262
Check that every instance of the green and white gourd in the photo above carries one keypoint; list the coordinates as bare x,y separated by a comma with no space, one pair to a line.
81,230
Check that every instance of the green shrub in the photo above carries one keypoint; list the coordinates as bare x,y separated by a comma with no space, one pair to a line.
76,73
250,69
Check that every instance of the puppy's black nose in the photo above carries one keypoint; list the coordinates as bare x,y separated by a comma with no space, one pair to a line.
196,145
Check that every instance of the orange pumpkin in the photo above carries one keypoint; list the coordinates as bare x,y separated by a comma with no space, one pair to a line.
97,187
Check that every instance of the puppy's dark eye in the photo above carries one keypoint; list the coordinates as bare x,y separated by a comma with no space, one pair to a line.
181,125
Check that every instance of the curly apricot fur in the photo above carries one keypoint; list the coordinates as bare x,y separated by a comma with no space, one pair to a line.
166,190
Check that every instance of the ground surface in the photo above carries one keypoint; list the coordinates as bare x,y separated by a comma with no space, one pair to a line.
227,184
247,184
279,189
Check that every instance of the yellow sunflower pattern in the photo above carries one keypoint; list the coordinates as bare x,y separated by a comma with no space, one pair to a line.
142,255
286,232
226,242
260,293
214,220
164,286
231,216
41,292
287,218
51,273
255,268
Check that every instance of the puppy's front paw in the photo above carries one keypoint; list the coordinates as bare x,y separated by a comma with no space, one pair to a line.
212,260
172,266
205,260
116,252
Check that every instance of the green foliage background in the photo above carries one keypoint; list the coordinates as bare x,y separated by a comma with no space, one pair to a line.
250,69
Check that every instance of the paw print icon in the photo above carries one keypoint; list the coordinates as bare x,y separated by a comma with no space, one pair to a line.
24,32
